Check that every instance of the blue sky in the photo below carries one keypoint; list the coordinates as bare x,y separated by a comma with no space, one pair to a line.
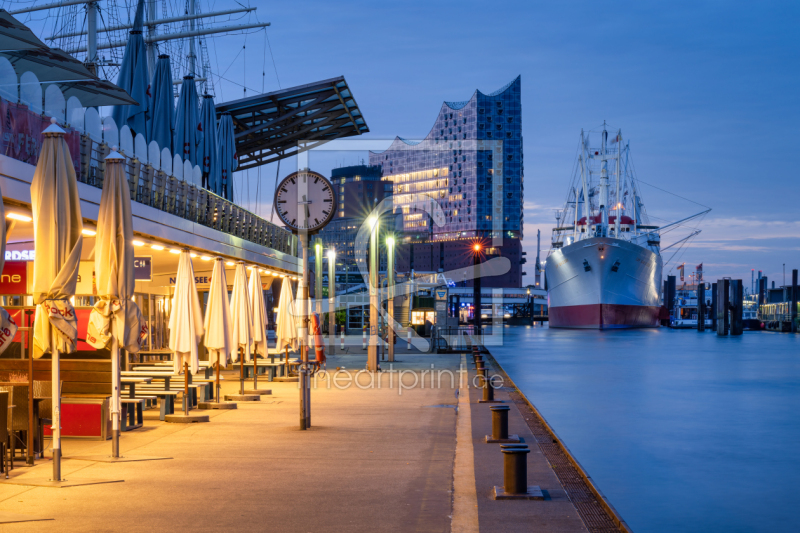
706,93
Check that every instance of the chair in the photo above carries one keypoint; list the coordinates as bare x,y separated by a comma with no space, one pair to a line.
4,436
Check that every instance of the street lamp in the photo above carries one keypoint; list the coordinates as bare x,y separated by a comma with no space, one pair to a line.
476,286
332,299
390,290
374,304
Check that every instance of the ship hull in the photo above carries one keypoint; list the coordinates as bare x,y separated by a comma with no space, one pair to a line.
603,283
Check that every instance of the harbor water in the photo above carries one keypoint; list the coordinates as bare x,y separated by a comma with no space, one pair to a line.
682,431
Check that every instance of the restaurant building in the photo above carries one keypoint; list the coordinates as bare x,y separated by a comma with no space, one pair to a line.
171,211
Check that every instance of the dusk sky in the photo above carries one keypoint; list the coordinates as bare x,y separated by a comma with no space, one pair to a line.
705,92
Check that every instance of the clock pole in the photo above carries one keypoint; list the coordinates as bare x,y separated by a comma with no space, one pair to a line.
305,392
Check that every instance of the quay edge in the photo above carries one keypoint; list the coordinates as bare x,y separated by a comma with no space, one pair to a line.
607,507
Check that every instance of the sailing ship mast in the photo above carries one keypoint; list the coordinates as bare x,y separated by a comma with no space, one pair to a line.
93,47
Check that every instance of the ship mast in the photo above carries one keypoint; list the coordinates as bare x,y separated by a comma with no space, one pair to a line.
619,203
583,184
604,185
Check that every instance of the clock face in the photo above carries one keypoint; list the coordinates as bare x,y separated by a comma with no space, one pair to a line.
305,201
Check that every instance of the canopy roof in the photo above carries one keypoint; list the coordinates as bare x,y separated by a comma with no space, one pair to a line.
27,53
270,126
16,36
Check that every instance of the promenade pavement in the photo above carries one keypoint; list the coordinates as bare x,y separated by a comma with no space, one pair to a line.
378,457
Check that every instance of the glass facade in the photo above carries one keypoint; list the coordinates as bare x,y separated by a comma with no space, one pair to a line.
471,164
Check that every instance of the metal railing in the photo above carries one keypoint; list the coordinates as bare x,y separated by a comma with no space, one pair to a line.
166,193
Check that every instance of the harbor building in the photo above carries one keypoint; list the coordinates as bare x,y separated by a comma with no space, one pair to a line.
470,165
359,189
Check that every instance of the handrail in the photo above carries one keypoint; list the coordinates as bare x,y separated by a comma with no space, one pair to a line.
183,199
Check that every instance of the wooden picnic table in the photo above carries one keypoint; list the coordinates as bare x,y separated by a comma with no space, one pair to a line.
131,381
166,376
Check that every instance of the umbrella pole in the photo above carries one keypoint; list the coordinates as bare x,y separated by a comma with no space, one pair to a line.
56,429
30,399
241,371
217,378
186,388
255,372
115,397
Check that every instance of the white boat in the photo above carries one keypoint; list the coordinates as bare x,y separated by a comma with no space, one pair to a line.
604,267
687,307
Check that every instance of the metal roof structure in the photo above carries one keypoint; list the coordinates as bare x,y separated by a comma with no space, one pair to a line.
280,124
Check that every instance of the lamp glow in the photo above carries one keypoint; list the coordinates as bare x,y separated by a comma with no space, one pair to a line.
174,251
138,243
477,247
18,216
89,232
332,255
156,247
389,241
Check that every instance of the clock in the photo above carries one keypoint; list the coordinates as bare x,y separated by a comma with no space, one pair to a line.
305,201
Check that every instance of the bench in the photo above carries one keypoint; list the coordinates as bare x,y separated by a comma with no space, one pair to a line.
85,392
133,412
178,388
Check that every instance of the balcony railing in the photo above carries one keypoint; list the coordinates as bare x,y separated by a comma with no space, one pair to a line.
183,199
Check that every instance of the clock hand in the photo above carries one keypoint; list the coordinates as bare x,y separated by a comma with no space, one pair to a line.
308,212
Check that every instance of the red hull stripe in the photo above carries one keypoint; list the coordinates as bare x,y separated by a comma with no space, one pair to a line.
604,316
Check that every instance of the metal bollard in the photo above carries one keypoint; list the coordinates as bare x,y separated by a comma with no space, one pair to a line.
341,337
500,426
409,337
363,339
515,468
500,422
476,359
479,368
488,393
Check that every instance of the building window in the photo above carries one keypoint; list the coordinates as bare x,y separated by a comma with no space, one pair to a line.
488,134
480,111
508,134
499,127
510,120
480,126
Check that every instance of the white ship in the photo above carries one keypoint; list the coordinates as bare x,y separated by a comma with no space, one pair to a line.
604,267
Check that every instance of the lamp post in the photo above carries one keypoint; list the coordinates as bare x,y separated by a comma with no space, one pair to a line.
372,349
318,275
476,286
332,299
390,294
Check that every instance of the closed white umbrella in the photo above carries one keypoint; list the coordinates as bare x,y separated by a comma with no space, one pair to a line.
218,319
259,310
57,226
186,318
116,314
7,324
285,324
241,320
